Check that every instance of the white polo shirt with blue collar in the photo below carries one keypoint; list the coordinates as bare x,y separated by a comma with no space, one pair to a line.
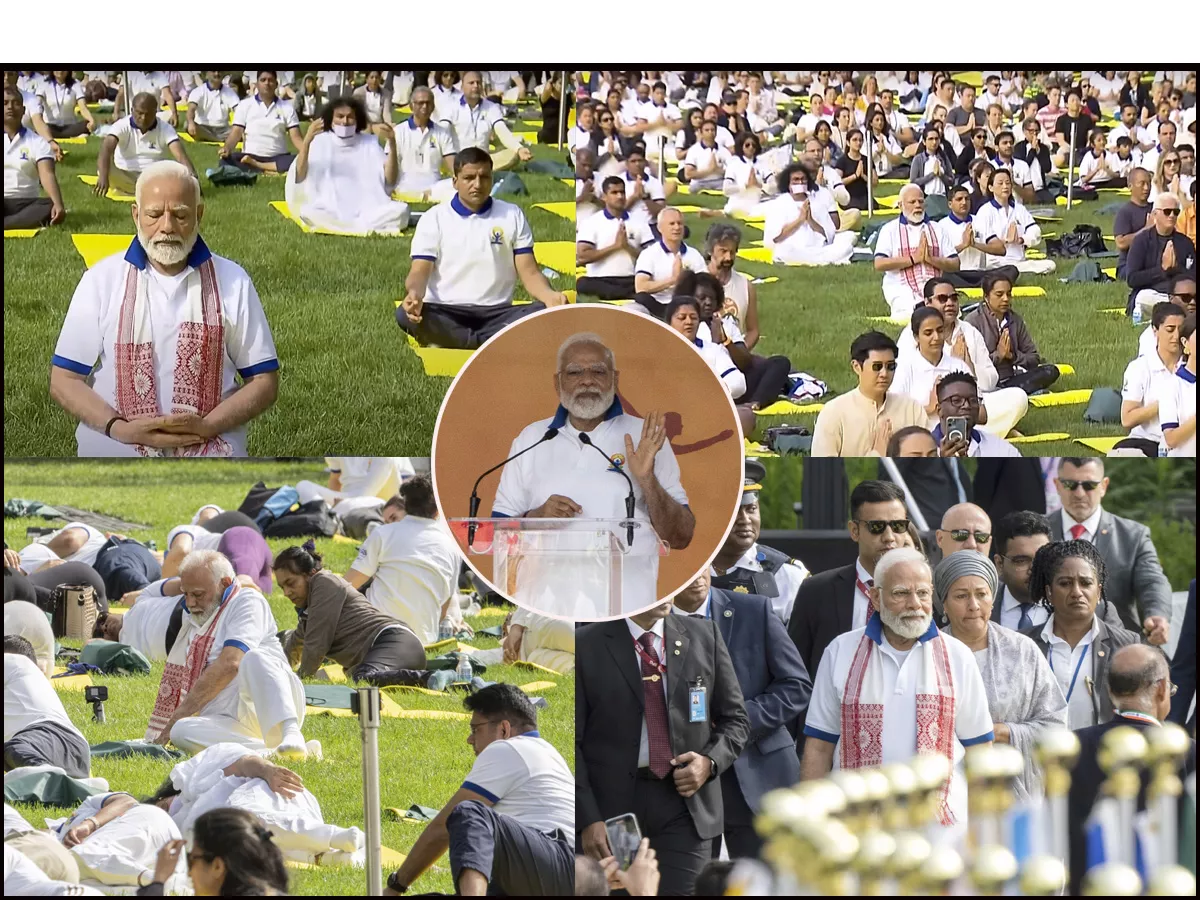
472,126
136,149
421,151
981,444
651,187
21,157
1176,406
473,252
993,221
600,232
266,125
657,261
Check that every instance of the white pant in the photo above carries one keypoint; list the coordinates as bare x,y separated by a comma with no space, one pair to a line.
268,694
341,504
902,301
1033,266
836,253
126,848
1146,298
1005,408
744,204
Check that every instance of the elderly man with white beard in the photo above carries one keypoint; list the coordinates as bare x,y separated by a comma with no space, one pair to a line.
564,477
909,251
226,679
155,341
898,687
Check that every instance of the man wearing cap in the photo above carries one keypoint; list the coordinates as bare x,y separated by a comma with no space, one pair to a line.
744,566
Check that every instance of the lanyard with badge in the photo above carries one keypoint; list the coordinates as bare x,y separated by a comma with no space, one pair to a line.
1078,666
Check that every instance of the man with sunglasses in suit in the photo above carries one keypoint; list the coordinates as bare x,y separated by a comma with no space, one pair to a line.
833,602
1135,582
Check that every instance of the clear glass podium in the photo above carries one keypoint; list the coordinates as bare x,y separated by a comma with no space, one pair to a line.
577,569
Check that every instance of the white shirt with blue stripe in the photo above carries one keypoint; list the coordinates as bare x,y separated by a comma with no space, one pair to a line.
993,221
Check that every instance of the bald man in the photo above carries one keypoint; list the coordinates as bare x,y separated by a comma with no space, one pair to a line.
1139,683
965,526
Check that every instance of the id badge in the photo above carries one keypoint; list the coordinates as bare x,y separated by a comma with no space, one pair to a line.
698,704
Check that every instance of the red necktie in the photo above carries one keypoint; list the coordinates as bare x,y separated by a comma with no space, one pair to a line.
657,732
1077,532
866,593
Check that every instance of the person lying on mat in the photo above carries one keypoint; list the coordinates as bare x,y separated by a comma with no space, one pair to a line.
476,120
510,828
28,169
209,107
37,729
264,124
244,547
426,150
118,381
466,257
342,180
358,482
135,143
1009,343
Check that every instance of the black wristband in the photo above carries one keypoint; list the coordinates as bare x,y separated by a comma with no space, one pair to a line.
393,882
111,422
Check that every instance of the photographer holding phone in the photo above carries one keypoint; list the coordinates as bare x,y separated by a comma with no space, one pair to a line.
958,408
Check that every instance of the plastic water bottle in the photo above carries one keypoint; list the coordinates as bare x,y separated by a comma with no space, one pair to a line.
1137,314
463,672
446,629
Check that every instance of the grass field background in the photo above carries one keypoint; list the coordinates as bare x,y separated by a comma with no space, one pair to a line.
421,760
349,383
812,314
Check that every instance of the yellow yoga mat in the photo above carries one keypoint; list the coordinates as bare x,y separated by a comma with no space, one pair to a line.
1111,273
893,181
529,137
1061,398
332,672
342,539
281,207
72,140
570,181
21,232
430,714
885,211
95,247
889,202
492,612
413,689
564,209
684,189
449,644
1040,438
691,209
756,254
1065,368
1021,290
1114,310
787,407
537,686
72,682
113,193
758,451
975,79
887,320
558,255
771,279
439,360
187,138
535,667
389,857
1100,444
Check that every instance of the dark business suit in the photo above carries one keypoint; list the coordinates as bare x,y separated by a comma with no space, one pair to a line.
1086,779
609,715
1183,666
776,688
1005,485
1107,642
824,609
1135,582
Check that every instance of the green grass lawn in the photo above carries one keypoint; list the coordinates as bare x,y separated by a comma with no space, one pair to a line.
811,314
421,760
349,384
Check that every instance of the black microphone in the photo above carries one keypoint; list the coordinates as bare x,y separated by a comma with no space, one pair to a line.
629,501
550,434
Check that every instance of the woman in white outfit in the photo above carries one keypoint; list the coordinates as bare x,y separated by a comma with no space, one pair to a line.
746,178
116,840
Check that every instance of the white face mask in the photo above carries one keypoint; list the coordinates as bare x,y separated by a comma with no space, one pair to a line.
345,131
799,191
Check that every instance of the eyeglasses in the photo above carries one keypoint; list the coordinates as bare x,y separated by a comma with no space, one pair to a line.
1169,212
961,534
943,298
597,371
1020,562
878,526
479,725
1070,484
1174,687
1186,298
878,366
958,401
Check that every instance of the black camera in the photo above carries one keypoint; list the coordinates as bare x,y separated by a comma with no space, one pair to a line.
96,695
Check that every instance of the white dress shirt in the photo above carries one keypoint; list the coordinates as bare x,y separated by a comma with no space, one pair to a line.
1091,523
1010,611
1072,670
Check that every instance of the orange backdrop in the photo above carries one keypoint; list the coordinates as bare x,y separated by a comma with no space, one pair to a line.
510,383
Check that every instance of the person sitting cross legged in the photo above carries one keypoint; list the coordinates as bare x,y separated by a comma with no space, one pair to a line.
475,121
959,228
426,150
342,180
510,828
263,123
747,174
1008,229
1028,178
1098,166
909,251
1157,255
609,245
932,168
209,107
28,168
704,165
226,679
660,264
64,108
134,144
1013,351
801,223
1148,379
959,411
466,257
1177,406
37,730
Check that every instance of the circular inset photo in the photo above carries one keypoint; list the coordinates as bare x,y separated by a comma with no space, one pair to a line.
588,461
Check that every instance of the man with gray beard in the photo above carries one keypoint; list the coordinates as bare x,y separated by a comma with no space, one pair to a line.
898,687
155,341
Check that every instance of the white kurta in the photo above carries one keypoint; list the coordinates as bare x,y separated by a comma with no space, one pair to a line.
22,878
344,189
806,244
25,620
124,850
144,626
296,824
903,288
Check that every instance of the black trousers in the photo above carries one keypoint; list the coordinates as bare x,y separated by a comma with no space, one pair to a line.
515,859
1148,447
222,522
664,818
974,277
462,327
44,581
75,129
740,837
17,586
766,379
607,287
651,306
1036,379
49,744
393,651
283,161
33,212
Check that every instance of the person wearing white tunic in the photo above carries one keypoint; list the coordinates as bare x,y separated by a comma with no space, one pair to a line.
683,315
909,251
37,729
341,180
747,176
22,878
226,678
800,227
1007,228
28,621
1177,406
154,341
74,542
426,150
704,164
358,482
116,840
227,775
871,681
144,625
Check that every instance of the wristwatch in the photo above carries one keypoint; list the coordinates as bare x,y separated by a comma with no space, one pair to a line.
393,883
713,763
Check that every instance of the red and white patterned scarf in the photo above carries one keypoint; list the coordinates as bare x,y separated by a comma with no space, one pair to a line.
916,276
861,743
185,664
199,355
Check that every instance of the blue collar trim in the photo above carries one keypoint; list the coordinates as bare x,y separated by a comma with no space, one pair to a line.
698,342
527,734
624,214
1185,375
614,410
457,205
1008,205
957,221
136,254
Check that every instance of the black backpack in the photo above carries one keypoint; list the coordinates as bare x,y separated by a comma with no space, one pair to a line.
1085,240
312,519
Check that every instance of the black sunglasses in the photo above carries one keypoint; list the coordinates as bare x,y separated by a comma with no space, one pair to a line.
944,297
1070,484
878,526
878,366
961,534
1169,212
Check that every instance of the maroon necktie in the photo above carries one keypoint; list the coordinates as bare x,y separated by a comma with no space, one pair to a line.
657,734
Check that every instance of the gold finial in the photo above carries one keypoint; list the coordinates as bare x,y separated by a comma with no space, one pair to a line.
1043,876
1172,881
1112,879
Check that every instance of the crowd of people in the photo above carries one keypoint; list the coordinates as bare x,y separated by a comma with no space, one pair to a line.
761,674
799,154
